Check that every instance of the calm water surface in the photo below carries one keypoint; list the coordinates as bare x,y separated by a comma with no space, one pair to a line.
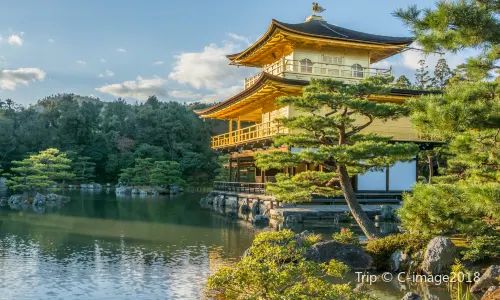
102,247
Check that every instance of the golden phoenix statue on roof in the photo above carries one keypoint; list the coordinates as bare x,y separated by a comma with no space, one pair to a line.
317,9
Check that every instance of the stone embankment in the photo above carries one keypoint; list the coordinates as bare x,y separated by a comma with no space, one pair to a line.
264,211
38,202
148,190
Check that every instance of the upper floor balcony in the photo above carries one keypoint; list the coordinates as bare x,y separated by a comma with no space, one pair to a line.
400,130
306,69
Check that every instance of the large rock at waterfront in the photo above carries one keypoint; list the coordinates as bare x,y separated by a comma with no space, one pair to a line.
39,200
91,186
123,190
439,256
489,278
493,293
174,189
411,296
16,199
260,219
57,199
208,200
353,256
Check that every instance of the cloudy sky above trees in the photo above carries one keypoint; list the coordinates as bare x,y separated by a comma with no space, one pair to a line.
172,49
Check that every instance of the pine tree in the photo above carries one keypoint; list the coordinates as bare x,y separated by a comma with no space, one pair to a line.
335,142
403,83
40,171
166,173
458,25
442,75
422,76
83,168
466,116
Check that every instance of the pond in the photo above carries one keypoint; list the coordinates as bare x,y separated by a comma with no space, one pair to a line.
99,246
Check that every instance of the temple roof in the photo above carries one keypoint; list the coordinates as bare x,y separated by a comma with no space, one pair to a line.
250,103
322,28
318,28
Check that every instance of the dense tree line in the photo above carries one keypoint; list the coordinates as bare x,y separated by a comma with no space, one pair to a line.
102,138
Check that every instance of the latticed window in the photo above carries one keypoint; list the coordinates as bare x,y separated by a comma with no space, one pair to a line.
306,66
357,70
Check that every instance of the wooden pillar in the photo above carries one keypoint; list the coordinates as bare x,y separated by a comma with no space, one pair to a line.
238,169
230,169
230,131
238,126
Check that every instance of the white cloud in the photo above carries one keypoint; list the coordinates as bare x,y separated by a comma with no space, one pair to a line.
222,94
108,73
121,50
240,38
185,94
161,62
410,58
10,79
139,89
102,60
208,69
51,41
81,62
15,39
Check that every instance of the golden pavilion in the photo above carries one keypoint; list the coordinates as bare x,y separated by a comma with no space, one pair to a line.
288,56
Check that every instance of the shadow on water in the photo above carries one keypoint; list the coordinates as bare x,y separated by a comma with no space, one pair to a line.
102,246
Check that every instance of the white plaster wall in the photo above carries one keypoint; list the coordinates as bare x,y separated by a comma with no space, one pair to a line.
402,176
372,181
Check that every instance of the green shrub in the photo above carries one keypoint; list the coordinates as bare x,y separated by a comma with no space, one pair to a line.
277,269
445,208
346,236
381,249
310,240
483,247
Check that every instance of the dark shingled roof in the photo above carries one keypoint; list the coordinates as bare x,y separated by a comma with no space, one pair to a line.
320,27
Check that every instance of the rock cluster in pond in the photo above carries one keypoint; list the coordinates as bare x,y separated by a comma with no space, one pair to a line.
151,190
38,201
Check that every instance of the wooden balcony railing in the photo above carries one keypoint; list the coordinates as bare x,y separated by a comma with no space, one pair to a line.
240,187
267,130
318,69
247,134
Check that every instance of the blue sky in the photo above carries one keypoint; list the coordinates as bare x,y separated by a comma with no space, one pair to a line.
174,49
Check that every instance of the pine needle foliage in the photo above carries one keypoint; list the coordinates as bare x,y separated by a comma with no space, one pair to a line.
40,171
333,130
467,116
276,269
